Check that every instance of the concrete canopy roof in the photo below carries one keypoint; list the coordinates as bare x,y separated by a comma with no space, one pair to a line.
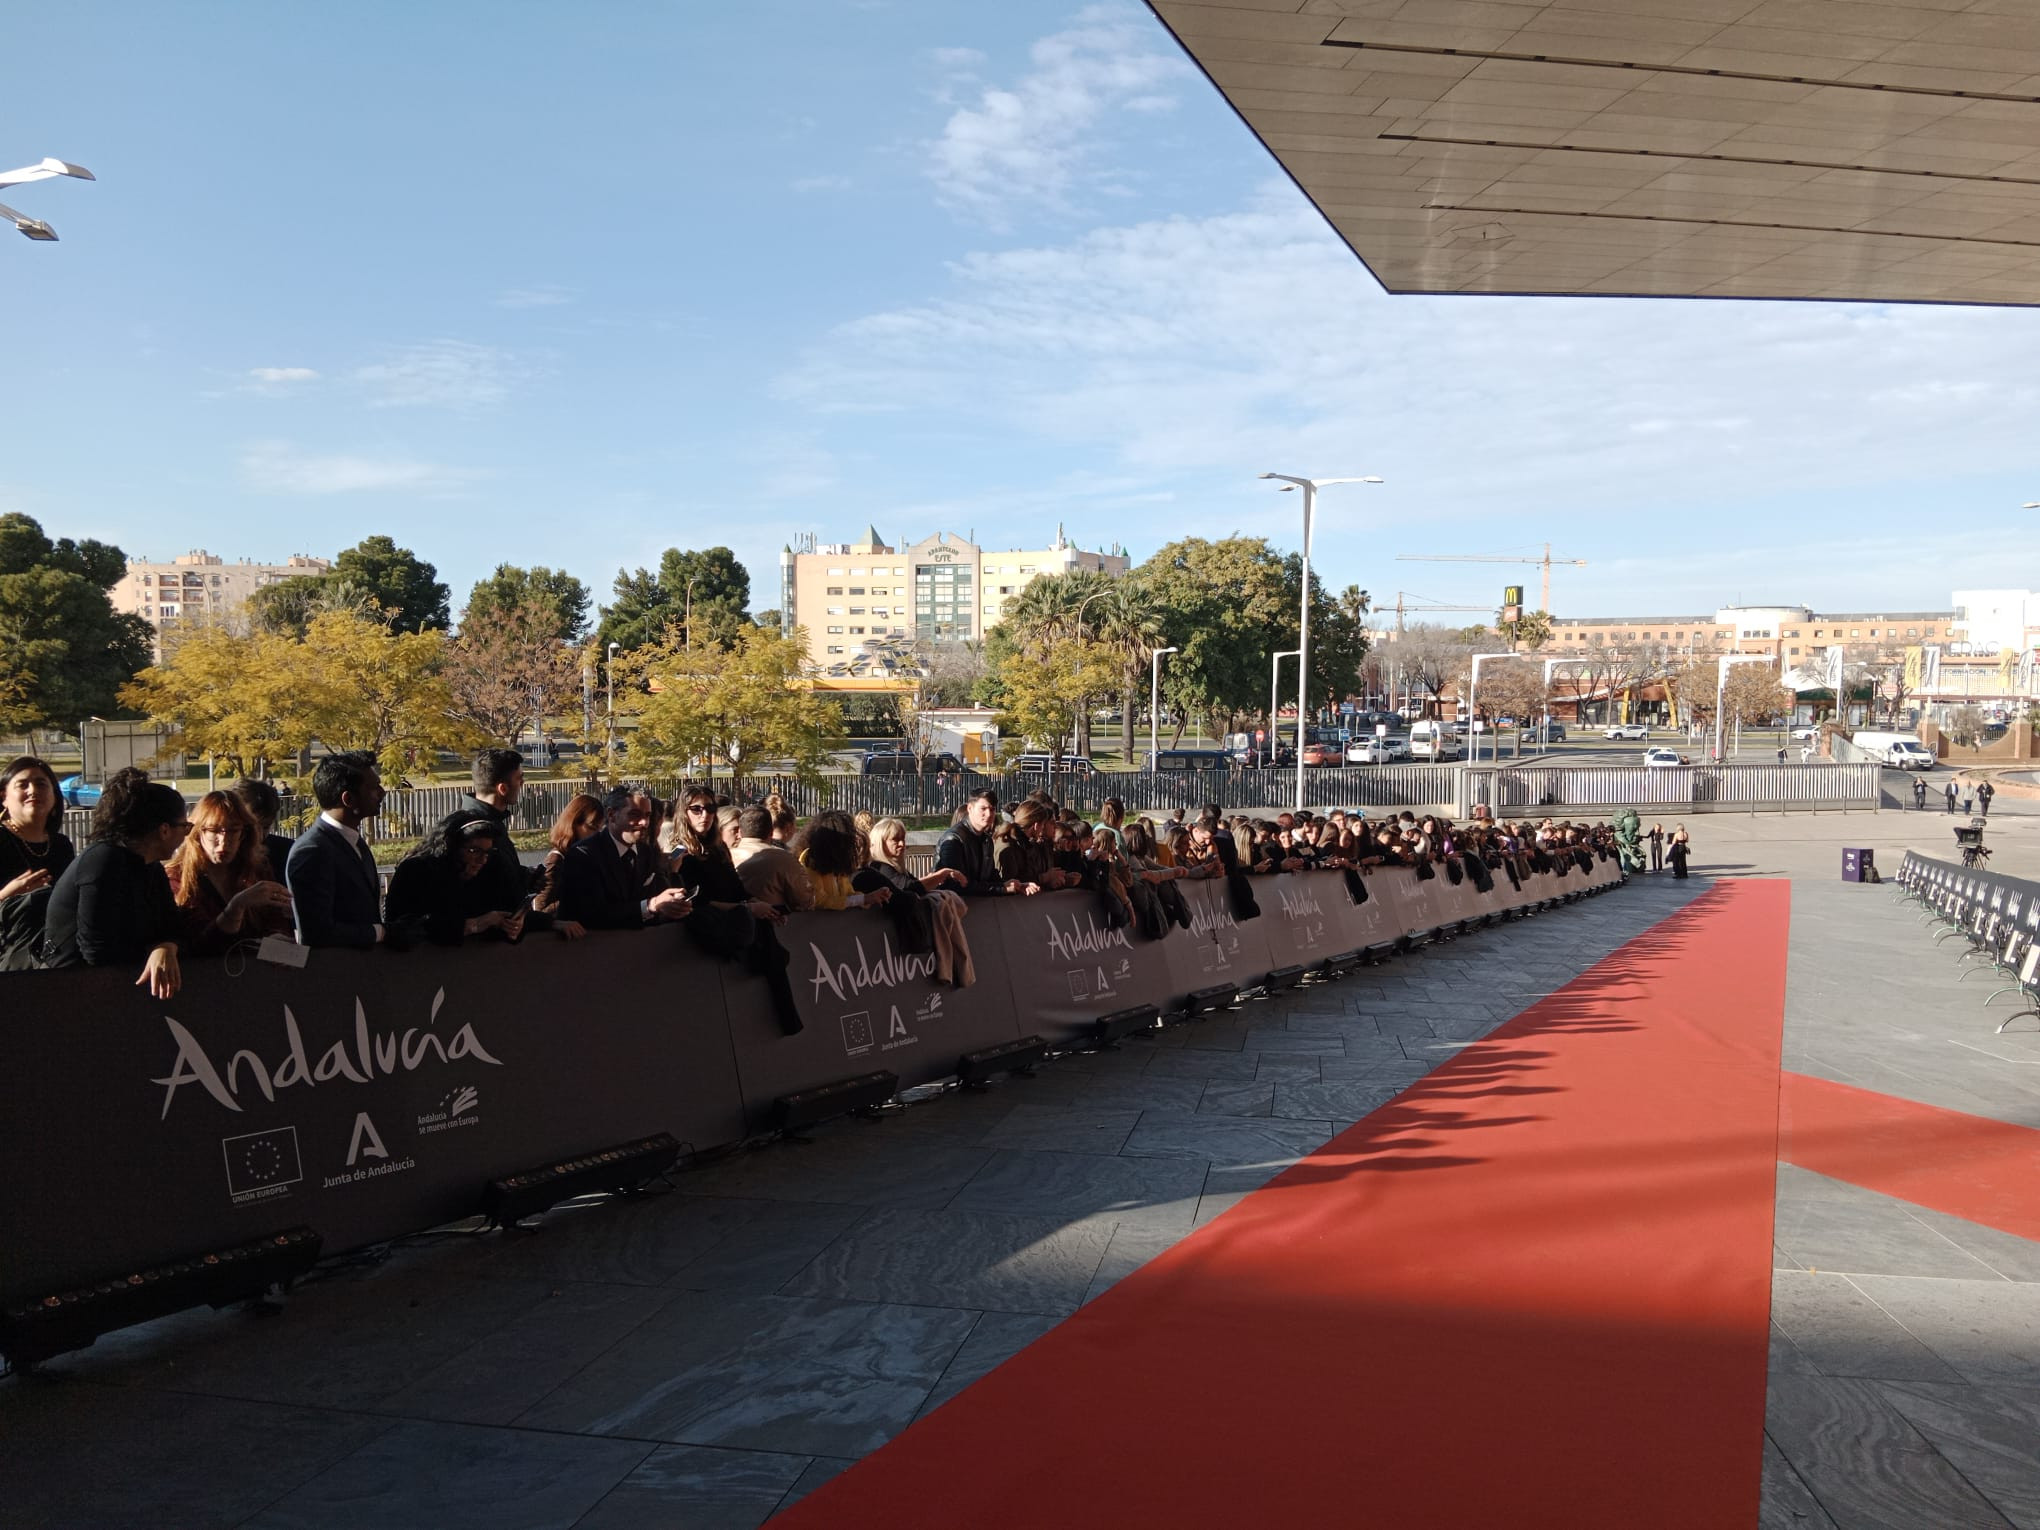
1867,150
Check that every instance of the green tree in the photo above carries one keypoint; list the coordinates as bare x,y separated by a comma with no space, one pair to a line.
709,589
1528,632
510,589
375,574
64,651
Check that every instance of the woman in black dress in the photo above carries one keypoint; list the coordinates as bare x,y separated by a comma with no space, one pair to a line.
33,854
727,921
1681,847
113,906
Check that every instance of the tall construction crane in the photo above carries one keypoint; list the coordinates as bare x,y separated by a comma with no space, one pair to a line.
1545,562
1402,605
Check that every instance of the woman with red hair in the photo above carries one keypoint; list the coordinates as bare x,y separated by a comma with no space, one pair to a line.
225,888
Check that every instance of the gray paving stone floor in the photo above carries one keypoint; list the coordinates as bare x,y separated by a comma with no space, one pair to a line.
705,1358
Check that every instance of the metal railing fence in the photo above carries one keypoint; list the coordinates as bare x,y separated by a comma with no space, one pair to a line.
1534,789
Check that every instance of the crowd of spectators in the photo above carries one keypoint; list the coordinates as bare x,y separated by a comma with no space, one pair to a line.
157,883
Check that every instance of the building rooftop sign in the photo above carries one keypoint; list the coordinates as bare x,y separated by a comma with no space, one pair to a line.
1716,148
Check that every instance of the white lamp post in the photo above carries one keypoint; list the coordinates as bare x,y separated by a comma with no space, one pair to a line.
1310,486
609,749
1155,704
35,228
1720,684
1274,690
1473,711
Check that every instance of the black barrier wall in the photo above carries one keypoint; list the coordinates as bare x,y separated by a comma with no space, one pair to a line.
372,1094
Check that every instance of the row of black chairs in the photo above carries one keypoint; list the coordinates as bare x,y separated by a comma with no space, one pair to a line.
1996,922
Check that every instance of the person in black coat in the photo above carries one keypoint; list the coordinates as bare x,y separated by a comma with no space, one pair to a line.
442,886
33,855
335,890
113,906
968,850
616,880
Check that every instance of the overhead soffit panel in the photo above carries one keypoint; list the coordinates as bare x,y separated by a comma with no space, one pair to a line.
1843,149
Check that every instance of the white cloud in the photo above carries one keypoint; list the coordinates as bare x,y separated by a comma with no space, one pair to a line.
1037,141
544,296
282,377
276,467
443,373
1192,353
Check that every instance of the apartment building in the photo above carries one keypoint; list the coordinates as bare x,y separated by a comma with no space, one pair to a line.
856,599
1792,635
199,586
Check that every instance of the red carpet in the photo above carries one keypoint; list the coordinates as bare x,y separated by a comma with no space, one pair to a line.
1534,1291
1968,1166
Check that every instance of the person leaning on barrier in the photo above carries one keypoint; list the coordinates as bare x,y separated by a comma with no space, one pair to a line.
34,853
768,870
112,906
221,878
616,880
827,850
933,896
265,806
968,848
727,921
1028,853
443,885
498,785
580,818
335,890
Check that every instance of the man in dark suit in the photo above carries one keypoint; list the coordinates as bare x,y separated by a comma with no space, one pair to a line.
334,889
615,880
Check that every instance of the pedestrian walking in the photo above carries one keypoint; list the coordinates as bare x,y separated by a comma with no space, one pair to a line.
1984,792
1682,846
1919,794
1951,796
1781,754
1657,847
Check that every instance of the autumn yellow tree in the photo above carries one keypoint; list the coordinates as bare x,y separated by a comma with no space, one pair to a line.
259,701
748,704
1037,690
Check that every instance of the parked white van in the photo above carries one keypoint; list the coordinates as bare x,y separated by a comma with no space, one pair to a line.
1435,741
1901,749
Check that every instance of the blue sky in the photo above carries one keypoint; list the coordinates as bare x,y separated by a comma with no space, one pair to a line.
532,284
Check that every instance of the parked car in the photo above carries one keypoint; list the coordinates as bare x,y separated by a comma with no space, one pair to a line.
1068,765
1546,733
1662,757
1190,759
1626,730
1805,735
1324,754
1435,741
901,762
1368,751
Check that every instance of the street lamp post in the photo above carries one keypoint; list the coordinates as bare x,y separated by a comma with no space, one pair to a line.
35,228
609,749
1473,710
1274,691
1720,684
1544,726
687,615
1155,704
1310,486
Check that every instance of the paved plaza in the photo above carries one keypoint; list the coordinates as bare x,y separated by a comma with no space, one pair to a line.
707,1357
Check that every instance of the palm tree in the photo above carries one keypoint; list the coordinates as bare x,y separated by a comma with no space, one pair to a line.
1130,622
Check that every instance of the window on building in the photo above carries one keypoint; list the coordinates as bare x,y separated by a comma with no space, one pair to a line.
1929,631
1853,631
837,589
859,631
859,573
837,573
858,589
1909,632
859,610
1596,639
838,610
1816,631
839,629
838,647
1795,652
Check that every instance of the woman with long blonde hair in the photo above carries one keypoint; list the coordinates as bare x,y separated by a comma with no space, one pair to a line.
946,908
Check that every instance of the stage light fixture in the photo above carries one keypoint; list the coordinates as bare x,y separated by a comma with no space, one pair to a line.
68,1320
1281,978
1206,1001
622,1167
1107,1030
810,1107
1021,1057
1377,953
1338,965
